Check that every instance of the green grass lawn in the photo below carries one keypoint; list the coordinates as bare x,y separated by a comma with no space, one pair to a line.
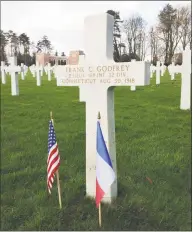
153,139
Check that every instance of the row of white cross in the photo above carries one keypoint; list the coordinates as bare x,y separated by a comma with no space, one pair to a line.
160,70
13,69
37,71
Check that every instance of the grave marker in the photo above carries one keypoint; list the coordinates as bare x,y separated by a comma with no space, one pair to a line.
152,70
174,69
48,70
158,70
96,79
163,69
38,70
3,74
14,70
171,69
185,80
33,70
22,72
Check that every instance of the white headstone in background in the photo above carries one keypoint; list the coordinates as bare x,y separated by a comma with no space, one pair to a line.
14,70
186,80
171,69
41,70
48,70
174,69
158,70
163,69
3,74
53,70
152,70
38,74
33,70
97,78
22,72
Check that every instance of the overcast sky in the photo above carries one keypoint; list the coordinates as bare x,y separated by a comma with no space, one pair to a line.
63,21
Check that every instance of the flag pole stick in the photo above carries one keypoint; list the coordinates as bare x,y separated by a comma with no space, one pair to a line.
57,174
100,216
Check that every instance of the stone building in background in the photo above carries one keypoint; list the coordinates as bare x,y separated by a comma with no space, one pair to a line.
43,59
72,59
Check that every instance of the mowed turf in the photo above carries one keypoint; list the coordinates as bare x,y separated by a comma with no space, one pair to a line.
153,140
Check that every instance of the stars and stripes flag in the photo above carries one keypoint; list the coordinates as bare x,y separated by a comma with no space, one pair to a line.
53,160
105,174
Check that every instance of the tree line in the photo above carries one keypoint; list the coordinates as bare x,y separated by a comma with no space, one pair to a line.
162,40
23,48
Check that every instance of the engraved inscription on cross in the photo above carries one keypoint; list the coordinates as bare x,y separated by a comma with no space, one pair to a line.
96,78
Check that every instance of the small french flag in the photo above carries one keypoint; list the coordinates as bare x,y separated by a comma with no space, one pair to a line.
105,174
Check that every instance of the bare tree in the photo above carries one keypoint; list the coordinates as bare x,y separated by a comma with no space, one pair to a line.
134,28
170,30
185,19
44,45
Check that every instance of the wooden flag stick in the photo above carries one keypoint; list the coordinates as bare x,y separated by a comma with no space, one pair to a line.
99,214
100,217
59,190
57,174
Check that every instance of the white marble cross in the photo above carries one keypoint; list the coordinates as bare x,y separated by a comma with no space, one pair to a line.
14,70
3,73
96,79
152,70
158,72
174,69
48,70
22,71
53,70
163,69
33,70
38,70
185,101
41,70
171,69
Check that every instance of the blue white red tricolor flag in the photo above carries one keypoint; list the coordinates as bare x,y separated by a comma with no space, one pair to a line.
105,174
53,160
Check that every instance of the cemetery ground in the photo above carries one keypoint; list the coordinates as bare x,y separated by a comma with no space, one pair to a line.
153,140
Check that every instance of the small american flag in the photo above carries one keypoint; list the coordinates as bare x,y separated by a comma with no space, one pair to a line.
53,160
